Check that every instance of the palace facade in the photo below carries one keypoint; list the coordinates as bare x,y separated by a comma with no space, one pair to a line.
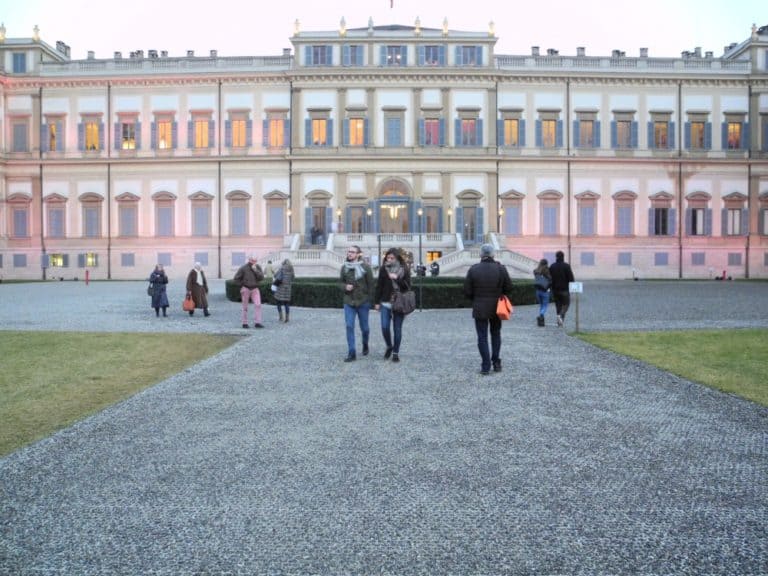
654,167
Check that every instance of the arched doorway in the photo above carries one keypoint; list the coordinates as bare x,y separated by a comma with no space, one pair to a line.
395,209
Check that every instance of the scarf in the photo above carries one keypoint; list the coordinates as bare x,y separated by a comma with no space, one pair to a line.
394,268
357,266
199,274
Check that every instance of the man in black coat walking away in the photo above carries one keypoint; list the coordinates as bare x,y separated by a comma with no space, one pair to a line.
562,275
485,282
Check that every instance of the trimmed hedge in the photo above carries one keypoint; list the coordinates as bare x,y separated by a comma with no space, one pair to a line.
436,292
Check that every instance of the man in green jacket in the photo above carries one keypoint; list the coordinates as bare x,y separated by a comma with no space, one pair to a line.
357,283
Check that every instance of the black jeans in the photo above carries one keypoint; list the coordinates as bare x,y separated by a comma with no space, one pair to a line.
492,355
562,302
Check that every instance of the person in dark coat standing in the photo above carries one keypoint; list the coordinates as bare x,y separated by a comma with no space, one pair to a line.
485,282
284,280
562,275
197,285
158,282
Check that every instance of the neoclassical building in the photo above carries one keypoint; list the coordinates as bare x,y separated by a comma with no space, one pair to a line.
633,165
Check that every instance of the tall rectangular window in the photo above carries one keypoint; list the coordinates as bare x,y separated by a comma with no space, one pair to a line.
319,55
624,220
697,222
91,221
468,135
200,133
623,134
511,132
698,132
587,218
201,219
320,131
239,132
357,132
548,133
52,138
549,220
128,219
395,56
660,225
20,135
432,132
92,134
128,136
393,124
469,56
276,128
164,216
661,131
433,55
586,134
733,135
352,55
733,222
20,222
19,63
164,133
56,214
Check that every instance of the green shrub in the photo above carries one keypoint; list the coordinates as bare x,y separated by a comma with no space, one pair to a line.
445,292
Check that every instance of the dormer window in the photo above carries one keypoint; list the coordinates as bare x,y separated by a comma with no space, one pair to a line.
321,55
19,63
394,56
469,55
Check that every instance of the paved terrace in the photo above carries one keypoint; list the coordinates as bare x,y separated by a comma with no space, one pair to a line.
275,457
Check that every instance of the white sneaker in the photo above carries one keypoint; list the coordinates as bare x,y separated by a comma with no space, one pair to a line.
560,321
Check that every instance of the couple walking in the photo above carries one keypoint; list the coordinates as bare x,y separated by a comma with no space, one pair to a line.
360,292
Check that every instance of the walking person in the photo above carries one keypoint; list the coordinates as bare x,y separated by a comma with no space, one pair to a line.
562,275
485,282
542,280
357,283
249,277
197,286
284,280
394,276
158,281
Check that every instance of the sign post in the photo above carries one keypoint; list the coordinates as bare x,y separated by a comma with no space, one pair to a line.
576,288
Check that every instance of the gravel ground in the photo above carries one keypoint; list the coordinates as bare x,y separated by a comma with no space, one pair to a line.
275,457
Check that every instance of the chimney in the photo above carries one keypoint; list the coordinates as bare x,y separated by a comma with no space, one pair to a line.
139,53
164,54
190,53
214,53
581,51
91,55
643,52
153,53
615,53
286,51
118,55
697,51
552,52
708,54
534,50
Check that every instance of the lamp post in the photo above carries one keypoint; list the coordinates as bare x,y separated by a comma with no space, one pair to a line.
338,218
289,214
501,219
368,213
419,274
450,213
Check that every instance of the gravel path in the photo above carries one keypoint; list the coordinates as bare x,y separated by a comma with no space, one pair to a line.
275,457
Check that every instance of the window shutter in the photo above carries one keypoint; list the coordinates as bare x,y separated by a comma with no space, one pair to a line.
308,224
383,56
138,135
459,59
211,133
708,222
500,133
724,135
764,147
265,133
761,222
633,127
345,57
228,133
441,55
614,134
44,138
559,134
651,227
671,136
687,135
190,134
672,222
460,220
688,221
724,222
457,131
576,133
521,133
403,56
287,131
651,139
538,134
81,260
153,136
441,131
308,56
422,55
345,132
329,140
81,136
479,54
422,137
174,135
249,133
479,132
745,136
59,136
708,135
745,222
597,133
117,135
329,55
480,231
366,135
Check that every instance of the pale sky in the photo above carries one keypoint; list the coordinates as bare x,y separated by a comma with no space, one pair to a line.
264,27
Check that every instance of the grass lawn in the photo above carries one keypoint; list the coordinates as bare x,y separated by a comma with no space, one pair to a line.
734,361
49,380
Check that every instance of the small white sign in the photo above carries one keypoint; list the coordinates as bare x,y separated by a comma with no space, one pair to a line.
575,287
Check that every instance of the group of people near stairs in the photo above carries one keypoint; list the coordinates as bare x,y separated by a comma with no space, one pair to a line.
484,283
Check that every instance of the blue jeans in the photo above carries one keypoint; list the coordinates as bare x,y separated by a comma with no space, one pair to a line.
389,317
542,297
481,326
349,318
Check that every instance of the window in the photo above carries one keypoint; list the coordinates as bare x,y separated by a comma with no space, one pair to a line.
164,258
355,131
20,222
550,213
549,130
128,219
431,55
164,217
19,260
469,55
19,63
734,222
238,214
469,129
661,221
735,132
164,132
698,219
624,259
201,257
394,56
90,134
586,130
52,134
58,260
432,219
764,132
127,260
698,258
623,131
321,55
56,213
88,260
237,130
319,131
276,130
201,131
20,129
511,129
625,217
661,131
432,132
734,259
587,259
91,220
512,222
352,55
201,218
393,129
763,223
587,210
661,259
698,132
128,132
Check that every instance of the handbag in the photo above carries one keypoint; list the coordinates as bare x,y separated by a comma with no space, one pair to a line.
189,304
278,278
404,302
150,290
504,308
541,282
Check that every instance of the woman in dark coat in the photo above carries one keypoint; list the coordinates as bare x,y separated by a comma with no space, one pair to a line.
157,286
283,294
197,285
393,275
